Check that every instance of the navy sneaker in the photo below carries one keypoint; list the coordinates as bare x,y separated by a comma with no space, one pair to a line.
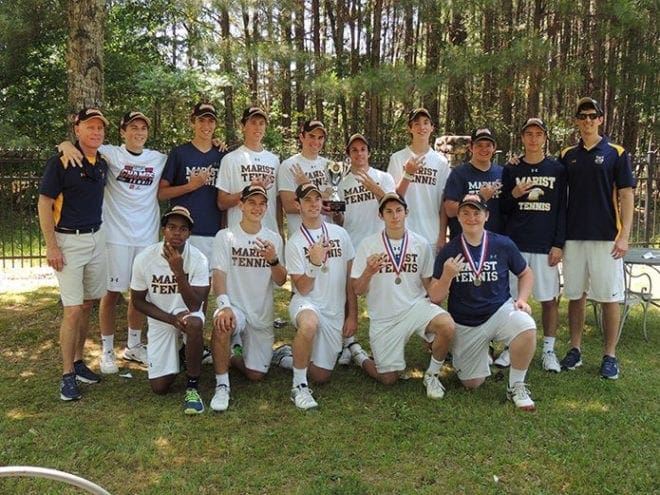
193,403
84,374
572,360
609,368
69,387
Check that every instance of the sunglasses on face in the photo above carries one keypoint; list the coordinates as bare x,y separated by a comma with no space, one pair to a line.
585,116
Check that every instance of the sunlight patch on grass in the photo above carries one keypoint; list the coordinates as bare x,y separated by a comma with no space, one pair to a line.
19,414
584,406
27,374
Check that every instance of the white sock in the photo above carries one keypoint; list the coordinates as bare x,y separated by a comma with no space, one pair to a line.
299,377
108,344
516,376
434,366
134,338
548,344
222,379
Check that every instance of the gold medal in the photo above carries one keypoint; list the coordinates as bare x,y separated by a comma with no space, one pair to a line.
397,281
324,268
477,281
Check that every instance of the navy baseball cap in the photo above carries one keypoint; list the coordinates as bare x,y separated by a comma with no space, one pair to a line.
586,103
313,124
356,137
181,211
534,121
251,112
473,200
88,114
483,134
251,191
204,109
303,190
131,116
391,197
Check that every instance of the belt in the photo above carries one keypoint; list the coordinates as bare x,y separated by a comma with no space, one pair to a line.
86,230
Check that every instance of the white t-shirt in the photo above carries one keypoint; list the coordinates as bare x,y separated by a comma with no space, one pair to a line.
152,273
248,275
361,216
386,299
424,194
130,205
314,169
329,292
238,169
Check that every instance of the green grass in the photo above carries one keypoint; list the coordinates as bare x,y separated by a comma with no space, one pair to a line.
588,435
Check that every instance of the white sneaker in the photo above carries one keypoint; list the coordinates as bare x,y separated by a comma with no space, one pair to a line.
519,395
220,401
550,362
358,354
434,387
137,353
344,357
109,364
503,360
302,397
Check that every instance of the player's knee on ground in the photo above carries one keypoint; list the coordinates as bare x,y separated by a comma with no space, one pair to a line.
253,375
389,378
162,384
473,383
319,375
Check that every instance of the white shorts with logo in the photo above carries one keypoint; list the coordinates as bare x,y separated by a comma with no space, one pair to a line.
388,339
257,343
590,268
84,274
546,278
470,348
163,346
120,265
328,339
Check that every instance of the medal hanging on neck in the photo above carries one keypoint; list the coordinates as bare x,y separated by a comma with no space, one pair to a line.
396,260
310,240
476,269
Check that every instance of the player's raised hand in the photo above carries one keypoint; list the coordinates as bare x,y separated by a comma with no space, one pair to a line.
264,180
318,251
375,262
173,257
266,249
298,175
453,266
199,177
414,163
522,188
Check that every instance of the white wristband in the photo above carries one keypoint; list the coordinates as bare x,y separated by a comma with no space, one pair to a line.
408,176
311,270
222,302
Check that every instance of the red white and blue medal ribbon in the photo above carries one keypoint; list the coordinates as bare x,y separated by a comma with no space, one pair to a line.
310,240
397,260
476,269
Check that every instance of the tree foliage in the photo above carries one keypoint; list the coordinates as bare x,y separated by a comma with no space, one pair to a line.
360,65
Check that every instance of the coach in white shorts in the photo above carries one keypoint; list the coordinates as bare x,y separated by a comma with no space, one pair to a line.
473,268
246,268
323,306
170,285
393,268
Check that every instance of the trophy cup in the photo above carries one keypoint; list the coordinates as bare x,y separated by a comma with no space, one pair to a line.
334,173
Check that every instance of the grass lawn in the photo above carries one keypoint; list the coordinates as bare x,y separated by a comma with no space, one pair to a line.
588,436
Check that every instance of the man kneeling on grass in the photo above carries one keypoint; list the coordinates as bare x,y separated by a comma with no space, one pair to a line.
473,269
170,284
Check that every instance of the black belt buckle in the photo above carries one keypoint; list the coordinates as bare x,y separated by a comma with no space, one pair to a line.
87,230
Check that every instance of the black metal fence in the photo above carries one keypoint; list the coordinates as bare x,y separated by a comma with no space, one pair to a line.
21,242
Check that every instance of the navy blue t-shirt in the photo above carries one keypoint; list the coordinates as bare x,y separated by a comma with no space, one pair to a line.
182,162
472,305
467,179
536,221
593,177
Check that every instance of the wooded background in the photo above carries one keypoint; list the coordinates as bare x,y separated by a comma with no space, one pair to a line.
358,65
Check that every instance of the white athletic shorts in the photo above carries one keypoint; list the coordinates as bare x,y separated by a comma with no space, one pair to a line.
546,278
328,339
163,346
388,339
589,267
84,275
120,265
470,348
257,343
204,244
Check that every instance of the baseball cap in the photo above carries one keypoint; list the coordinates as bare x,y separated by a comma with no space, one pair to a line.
587,102
356,137
312,124
481,135
391,197
473,200
534,121
417,112
303,190
203,109
88,114
251,191
131,116
251,112
182,211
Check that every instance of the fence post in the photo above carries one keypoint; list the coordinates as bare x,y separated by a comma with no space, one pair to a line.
648,204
